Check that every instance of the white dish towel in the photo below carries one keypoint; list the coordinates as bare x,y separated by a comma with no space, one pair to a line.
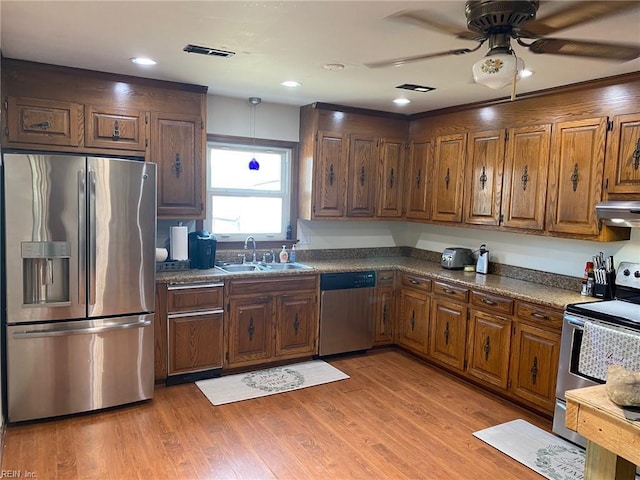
603,346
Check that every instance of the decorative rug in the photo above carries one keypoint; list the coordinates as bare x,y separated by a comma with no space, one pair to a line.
244,386
550,456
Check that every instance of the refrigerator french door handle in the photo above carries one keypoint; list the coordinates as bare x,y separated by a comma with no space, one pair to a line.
92,238
80,331
82,233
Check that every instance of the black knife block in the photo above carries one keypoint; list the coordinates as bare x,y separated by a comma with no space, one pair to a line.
607,290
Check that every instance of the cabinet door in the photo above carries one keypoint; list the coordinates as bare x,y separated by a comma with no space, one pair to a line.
485,158
195,342
361,184
489,342
417,180
116,128
392,160
177,147
525,177
575,176
448,178
623,155
330,181
384,315
296,325
250,334
535,365
160,334
448,333
414,320
48,122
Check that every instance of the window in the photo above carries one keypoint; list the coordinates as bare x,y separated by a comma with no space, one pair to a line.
243,201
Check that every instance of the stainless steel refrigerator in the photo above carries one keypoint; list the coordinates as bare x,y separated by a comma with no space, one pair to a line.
79,282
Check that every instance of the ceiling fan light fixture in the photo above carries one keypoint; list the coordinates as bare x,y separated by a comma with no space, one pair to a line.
497,70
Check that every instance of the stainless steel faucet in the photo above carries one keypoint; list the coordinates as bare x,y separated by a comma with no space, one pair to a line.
246,243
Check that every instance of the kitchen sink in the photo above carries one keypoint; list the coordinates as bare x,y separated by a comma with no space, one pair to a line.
242,267
261,267
287,266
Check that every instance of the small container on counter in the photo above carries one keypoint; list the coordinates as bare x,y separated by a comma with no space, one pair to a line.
284,255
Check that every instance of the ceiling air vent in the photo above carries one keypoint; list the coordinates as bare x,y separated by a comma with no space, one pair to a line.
213,52
415,88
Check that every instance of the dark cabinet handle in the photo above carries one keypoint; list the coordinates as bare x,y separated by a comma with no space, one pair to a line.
534,370
252,328
413,320
449,291
446,334
43,125
418,178
362,176
177,166
486,348
446,179
384,314
116,131
332,174
296,324
392,179
414,282
483,177
636,156
486,301
525,178
541,316
574,177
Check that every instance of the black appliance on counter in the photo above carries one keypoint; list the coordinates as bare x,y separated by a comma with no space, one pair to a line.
202,249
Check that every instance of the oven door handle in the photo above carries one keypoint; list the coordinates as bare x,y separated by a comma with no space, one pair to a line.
575,323
561,405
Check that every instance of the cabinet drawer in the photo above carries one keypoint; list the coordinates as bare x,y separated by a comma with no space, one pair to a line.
492,303
385,278
450,291
413,281
183,298
272,284
33,120
114,128
542,316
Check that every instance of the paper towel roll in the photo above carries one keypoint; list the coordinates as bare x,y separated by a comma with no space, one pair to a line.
178,243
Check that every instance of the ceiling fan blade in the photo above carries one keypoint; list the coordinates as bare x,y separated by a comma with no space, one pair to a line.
573,14
397,62
579,48
428,20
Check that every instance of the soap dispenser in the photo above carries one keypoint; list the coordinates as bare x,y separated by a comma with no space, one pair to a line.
284,255
482,266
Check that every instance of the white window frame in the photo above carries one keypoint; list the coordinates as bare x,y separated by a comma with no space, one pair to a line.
285,192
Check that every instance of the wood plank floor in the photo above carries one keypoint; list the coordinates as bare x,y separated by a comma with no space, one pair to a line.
395,418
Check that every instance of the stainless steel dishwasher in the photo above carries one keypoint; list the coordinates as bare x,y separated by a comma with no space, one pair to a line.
346,312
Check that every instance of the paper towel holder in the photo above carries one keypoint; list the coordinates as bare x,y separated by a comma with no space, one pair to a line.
178,249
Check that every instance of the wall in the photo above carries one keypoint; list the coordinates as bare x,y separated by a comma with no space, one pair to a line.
228,116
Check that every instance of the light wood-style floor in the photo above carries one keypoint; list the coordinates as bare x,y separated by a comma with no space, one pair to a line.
395,418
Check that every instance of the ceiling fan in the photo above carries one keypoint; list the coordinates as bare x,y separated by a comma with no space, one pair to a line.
499,21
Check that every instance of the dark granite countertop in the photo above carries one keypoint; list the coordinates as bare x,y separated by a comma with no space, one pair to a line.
501,285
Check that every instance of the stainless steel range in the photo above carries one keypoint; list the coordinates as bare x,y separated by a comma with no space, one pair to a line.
620,316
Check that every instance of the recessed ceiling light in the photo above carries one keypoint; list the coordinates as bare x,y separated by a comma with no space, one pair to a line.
333,67
143,61
402,101
290,83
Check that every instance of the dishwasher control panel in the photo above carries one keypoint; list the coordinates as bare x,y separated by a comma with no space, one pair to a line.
347,280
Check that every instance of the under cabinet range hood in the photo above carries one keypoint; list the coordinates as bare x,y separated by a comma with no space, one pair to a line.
619,213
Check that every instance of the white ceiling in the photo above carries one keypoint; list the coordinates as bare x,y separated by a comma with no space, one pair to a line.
290,40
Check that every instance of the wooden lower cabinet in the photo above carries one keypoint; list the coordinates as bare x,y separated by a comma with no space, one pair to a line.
489,348
534,365
271,320
448,333
413,323
385,308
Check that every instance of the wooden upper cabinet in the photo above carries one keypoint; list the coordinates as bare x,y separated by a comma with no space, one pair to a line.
417,180
448,178
392,160
50,122
361,184
575,176
525,177
331,175
114,128
177,147
485,158
623,155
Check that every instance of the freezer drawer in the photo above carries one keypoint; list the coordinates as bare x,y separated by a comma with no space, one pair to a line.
70,367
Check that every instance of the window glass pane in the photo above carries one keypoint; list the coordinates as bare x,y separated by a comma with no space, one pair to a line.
230,170
245,215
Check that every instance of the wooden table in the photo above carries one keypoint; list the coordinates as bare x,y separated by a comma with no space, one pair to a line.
613,442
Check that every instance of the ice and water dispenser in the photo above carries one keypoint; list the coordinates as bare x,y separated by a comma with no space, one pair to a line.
45,272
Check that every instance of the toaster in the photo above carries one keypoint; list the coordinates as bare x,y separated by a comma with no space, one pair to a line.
455,258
